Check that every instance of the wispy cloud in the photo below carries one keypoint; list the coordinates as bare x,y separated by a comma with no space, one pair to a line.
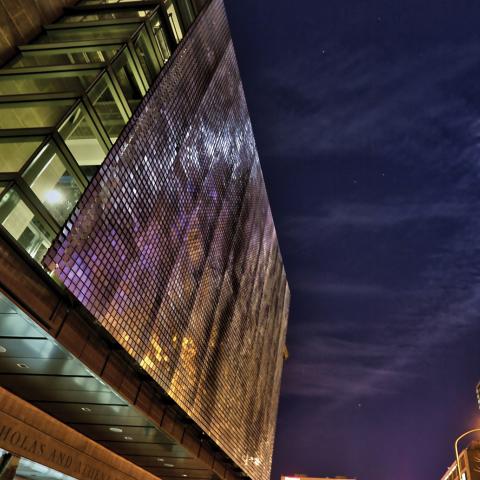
331,221
339,383
338,288
362,355
359,353
384,269
336,370
331,113
367,329
372,215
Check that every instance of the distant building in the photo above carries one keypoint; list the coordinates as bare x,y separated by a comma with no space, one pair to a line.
469,464
301,476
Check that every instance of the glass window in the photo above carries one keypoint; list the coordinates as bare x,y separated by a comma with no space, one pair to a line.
107,15
39,59
79,55
160,37
146,55
75,82
15,151
89,171
107,32
103,100
87,55
53,183
82,139
31,115
186,10
128,79
27,469
105,2
20,221
174,19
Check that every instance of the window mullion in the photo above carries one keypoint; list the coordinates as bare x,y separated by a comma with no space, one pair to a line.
118,95
33,202
96,124
69,159
137,68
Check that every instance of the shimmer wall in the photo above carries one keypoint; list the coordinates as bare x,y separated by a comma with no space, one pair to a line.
173,249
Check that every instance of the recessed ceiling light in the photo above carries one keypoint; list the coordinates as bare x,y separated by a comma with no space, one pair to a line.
169,464
184,475
86,409
2,349
128,438
22,365
159,459
53,197
116,429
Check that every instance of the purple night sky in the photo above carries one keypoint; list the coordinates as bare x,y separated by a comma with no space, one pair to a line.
367,119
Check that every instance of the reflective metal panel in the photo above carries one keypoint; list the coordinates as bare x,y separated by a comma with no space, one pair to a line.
173,249
36,368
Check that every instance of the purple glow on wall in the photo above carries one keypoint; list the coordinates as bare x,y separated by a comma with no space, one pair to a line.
173,249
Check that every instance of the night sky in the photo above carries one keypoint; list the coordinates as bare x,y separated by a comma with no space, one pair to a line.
367,120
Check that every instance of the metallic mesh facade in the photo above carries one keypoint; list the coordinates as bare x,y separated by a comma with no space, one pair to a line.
173,249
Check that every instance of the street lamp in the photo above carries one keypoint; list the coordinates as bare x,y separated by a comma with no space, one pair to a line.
457,458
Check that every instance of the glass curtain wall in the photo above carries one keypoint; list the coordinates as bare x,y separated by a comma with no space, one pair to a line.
64,100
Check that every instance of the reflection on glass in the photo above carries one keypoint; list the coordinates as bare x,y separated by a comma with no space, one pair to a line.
103,2
41,84
129,82
160,37
17,218
131,50
82,140
53,184
75,56
174,22
186,9
29,470
101,96
145,53
120,32
14,152
39,59
25,115
89,171
107,15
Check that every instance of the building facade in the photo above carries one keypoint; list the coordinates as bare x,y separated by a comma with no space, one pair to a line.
144,301
469,464
300,476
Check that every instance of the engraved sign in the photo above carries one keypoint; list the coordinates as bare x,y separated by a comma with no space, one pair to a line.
28,432
15,437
